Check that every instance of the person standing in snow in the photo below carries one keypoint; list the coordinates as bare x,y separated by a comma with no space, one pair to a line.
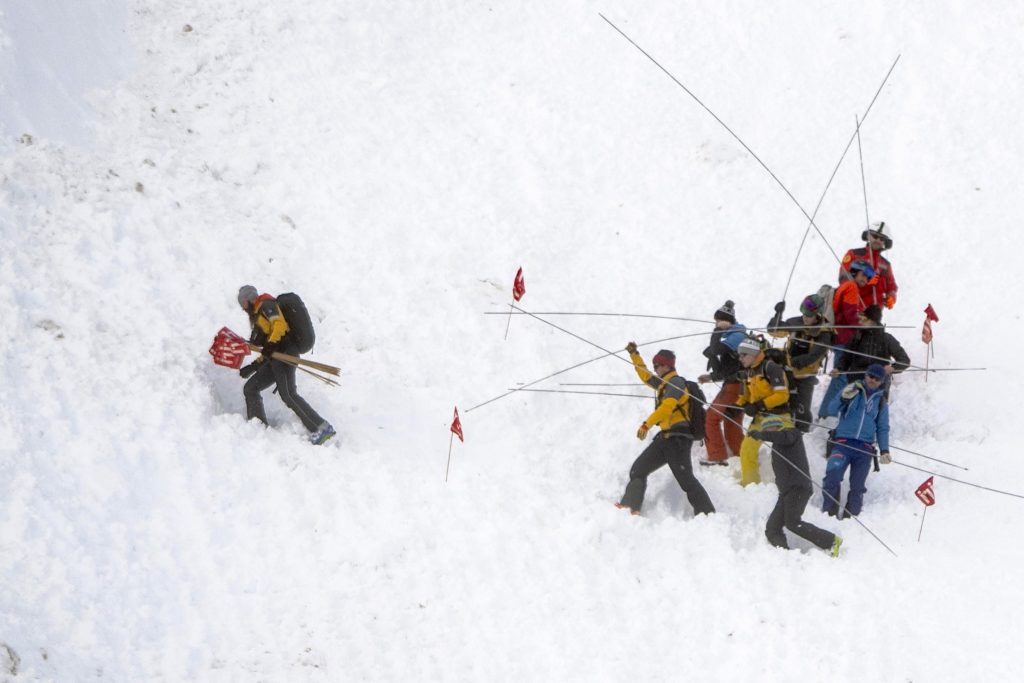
723,430
765,393
809,339
870,344
793,479
881,289
270,331
847,305
670,446
863,422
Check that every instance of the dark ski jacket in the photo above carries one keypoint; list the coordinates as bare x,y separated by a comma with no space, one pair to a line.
804,356
723,363
873,341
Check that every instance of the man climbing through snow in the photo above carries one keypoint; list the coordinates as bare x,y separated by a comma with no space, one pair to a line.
271,331
880,290
670,446
793,479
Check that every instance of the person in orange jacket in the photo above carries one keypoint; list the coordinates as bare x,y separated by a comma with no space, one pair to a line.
881,289
670,446
848,306
847,302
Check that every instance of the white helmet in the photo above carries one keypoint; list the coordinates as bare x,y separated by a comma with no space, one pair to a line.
881,228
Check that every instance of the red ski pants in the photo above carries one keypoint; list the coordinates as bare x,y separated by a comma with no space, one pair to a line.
721,418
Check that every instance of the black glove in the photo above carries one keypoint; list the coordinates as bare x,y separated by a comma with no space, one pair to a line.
756,434
248,371
753,409
268,350
780,307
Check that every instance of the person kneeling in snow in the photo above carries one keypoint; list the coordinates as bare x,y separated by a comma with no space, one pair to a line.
671,446
271,331
793,478
863,420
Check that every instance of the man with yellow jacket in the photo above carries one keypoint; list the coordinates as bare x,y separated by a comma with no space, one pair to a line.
271,331
671,445
765,393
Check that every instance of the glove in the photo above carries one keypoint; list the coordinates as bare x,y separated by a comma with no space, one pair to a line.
850,390
884,457
756,434
704,379
890,301
248,371
642,432
780,307
631,348
753,409
268,350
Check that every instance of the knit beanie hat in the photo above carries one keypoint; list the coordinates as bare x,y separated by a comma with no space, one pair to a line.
873,313
812,305
727,312
246,295
772,423
875,370
664,357
749,346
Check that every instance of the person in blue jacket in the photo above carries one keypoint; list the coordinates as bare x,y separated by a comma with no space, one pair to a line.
863,424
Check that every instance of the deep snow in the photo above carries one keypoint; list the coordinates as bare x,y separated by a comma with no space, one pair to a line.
395,163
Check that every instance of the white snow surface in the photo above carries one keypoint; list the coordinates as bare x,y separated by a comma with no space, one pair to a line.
394,163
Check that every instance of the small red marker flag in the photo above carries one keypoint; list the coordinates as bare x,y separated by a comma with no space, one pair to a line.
519,285
925,493
926,330
457,426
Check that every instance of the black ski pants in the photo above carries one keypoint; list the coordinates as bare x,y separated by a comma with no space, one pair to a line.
282,374
805,392
673,451
792,476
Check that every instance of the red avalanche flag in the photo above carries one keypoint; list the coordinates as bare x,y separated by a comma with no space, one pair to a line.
926,330
925,493
519,285
457,426
456,430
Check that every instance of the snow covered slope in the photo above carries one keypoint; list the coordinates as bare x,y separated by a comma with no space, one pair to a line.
394,163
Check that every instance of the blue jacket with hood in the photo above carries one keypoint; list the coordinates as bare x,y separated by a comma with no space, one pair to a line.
863,415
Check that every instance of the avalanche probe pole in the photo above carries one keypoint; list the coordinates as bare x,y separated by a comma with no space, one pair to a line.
451,440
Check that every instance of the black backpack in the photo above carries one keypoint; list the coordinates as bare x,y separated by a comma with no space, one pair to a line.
698,409
300,326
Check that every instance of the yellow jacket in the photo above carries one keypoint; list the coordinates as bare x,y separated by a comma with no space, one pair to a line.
269,319
772,390
672,402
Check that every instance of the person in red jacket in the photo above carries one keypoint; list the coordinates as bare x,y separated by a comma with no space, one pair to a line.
880,290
